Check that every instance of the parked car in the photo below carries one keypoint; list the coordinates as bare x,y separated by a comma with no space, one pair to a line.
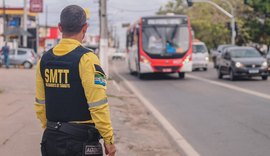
200,56
22,56
242,62
216,54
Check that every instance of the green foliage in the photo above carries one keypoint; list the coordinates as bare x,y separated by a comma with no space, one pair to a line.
259,21
175,7
261,6
209,24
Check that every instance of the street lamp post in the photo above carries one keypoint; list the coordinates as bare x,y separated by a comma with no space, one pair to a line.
232,21
4,19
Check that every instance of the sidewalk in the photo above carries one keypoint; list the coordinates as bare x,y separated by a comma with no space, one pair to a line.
137,132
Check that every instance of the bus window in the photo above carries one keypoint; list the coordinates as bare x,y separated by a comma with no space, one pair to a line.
165,39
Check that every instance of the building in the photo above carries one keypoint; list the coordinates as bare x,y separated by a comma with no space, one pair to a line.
11,27
48,37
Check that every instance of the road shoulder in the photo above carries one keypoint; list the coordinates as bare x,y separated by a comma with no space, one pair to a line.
136,131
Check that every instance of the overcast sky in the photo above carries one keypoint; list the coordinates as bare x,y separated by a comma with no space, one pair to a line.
119,11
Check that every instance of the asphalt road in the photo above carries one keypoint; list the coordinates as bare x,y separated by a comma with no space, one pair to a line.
217,117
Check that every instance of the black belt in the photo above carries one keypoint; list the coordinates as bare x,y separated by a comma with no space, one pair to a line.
82,131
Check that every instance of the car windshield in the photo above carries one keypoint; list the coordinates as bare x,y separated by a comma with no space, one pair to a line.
199,48
165,40
245,53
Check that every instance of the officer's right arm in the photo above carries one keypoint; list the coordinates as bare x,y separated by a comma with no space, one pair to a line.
94,83
40,98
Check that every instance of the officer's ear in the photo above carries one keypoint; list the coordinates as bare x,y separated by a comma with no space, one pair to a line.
60,27
84,29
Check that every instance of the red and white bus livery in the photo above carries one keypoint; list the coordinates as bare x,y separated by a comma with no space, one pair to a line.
160,44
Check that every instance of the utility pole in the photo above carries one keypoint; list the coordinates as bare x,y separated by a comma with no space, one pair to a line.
46,21
103,44
230,15
37,32
4,19
25,11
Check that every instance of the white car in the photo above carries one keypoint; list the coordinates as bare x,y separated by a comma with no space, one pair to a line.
200,56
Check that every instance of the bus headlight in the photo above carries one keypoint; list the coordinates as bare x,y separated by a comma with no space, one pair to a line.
264,64
187,60
144,60
206,59
238,65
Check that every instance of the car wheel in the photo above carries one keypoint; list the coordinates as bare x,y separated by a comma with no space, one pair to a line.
220,75
265,77
27,65
181,75
232,76
205,69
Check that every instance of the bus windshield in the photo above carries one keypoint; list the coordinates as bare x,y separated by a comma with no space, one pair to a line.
166,40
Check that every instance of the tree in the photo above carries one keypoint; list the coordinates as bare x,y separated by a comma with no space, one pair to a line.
259,21
175,7
210,25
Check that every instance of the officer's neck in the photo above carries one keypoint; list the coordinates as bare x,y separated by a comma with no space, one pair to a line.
74,37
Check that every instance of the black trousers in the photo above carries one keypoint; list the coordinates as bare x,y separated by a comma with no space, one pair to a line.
57,143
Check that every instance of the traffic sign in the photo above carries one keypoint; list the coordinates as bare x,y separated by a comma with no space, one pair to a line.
36,6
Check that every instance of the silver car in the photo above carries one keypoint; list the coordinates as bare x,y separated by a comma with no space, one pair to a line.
21,56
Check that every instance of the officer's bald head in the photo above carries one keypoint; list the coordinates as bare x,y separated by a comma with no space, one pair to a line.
72,19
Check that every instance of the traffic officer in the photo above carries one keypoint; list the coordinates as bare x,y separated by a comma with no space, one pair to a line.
71,102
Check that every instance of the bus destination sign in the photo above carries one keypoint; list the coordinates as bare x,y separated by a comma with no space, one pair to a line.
165,21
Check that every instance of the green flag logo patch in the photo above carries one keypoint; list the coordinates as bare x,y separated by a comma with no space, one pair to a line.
100,80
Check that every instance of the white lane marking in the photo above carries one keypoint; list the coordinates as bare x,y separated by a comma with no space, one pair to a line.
175,135
116,85
247,91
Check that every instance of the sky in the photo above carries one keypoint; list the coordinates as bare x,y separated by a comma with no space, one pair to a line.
119,11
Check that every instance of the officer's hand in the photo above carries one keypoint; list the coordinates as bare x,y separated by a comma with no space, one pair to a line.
110,149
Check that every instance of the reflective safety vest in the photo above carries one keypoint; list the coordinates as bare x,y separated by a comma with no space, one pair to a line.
64,94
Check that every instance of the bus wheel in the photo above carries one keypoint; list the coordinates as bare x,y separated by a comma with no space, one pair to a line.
130,70
140,75
138,71
181,75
